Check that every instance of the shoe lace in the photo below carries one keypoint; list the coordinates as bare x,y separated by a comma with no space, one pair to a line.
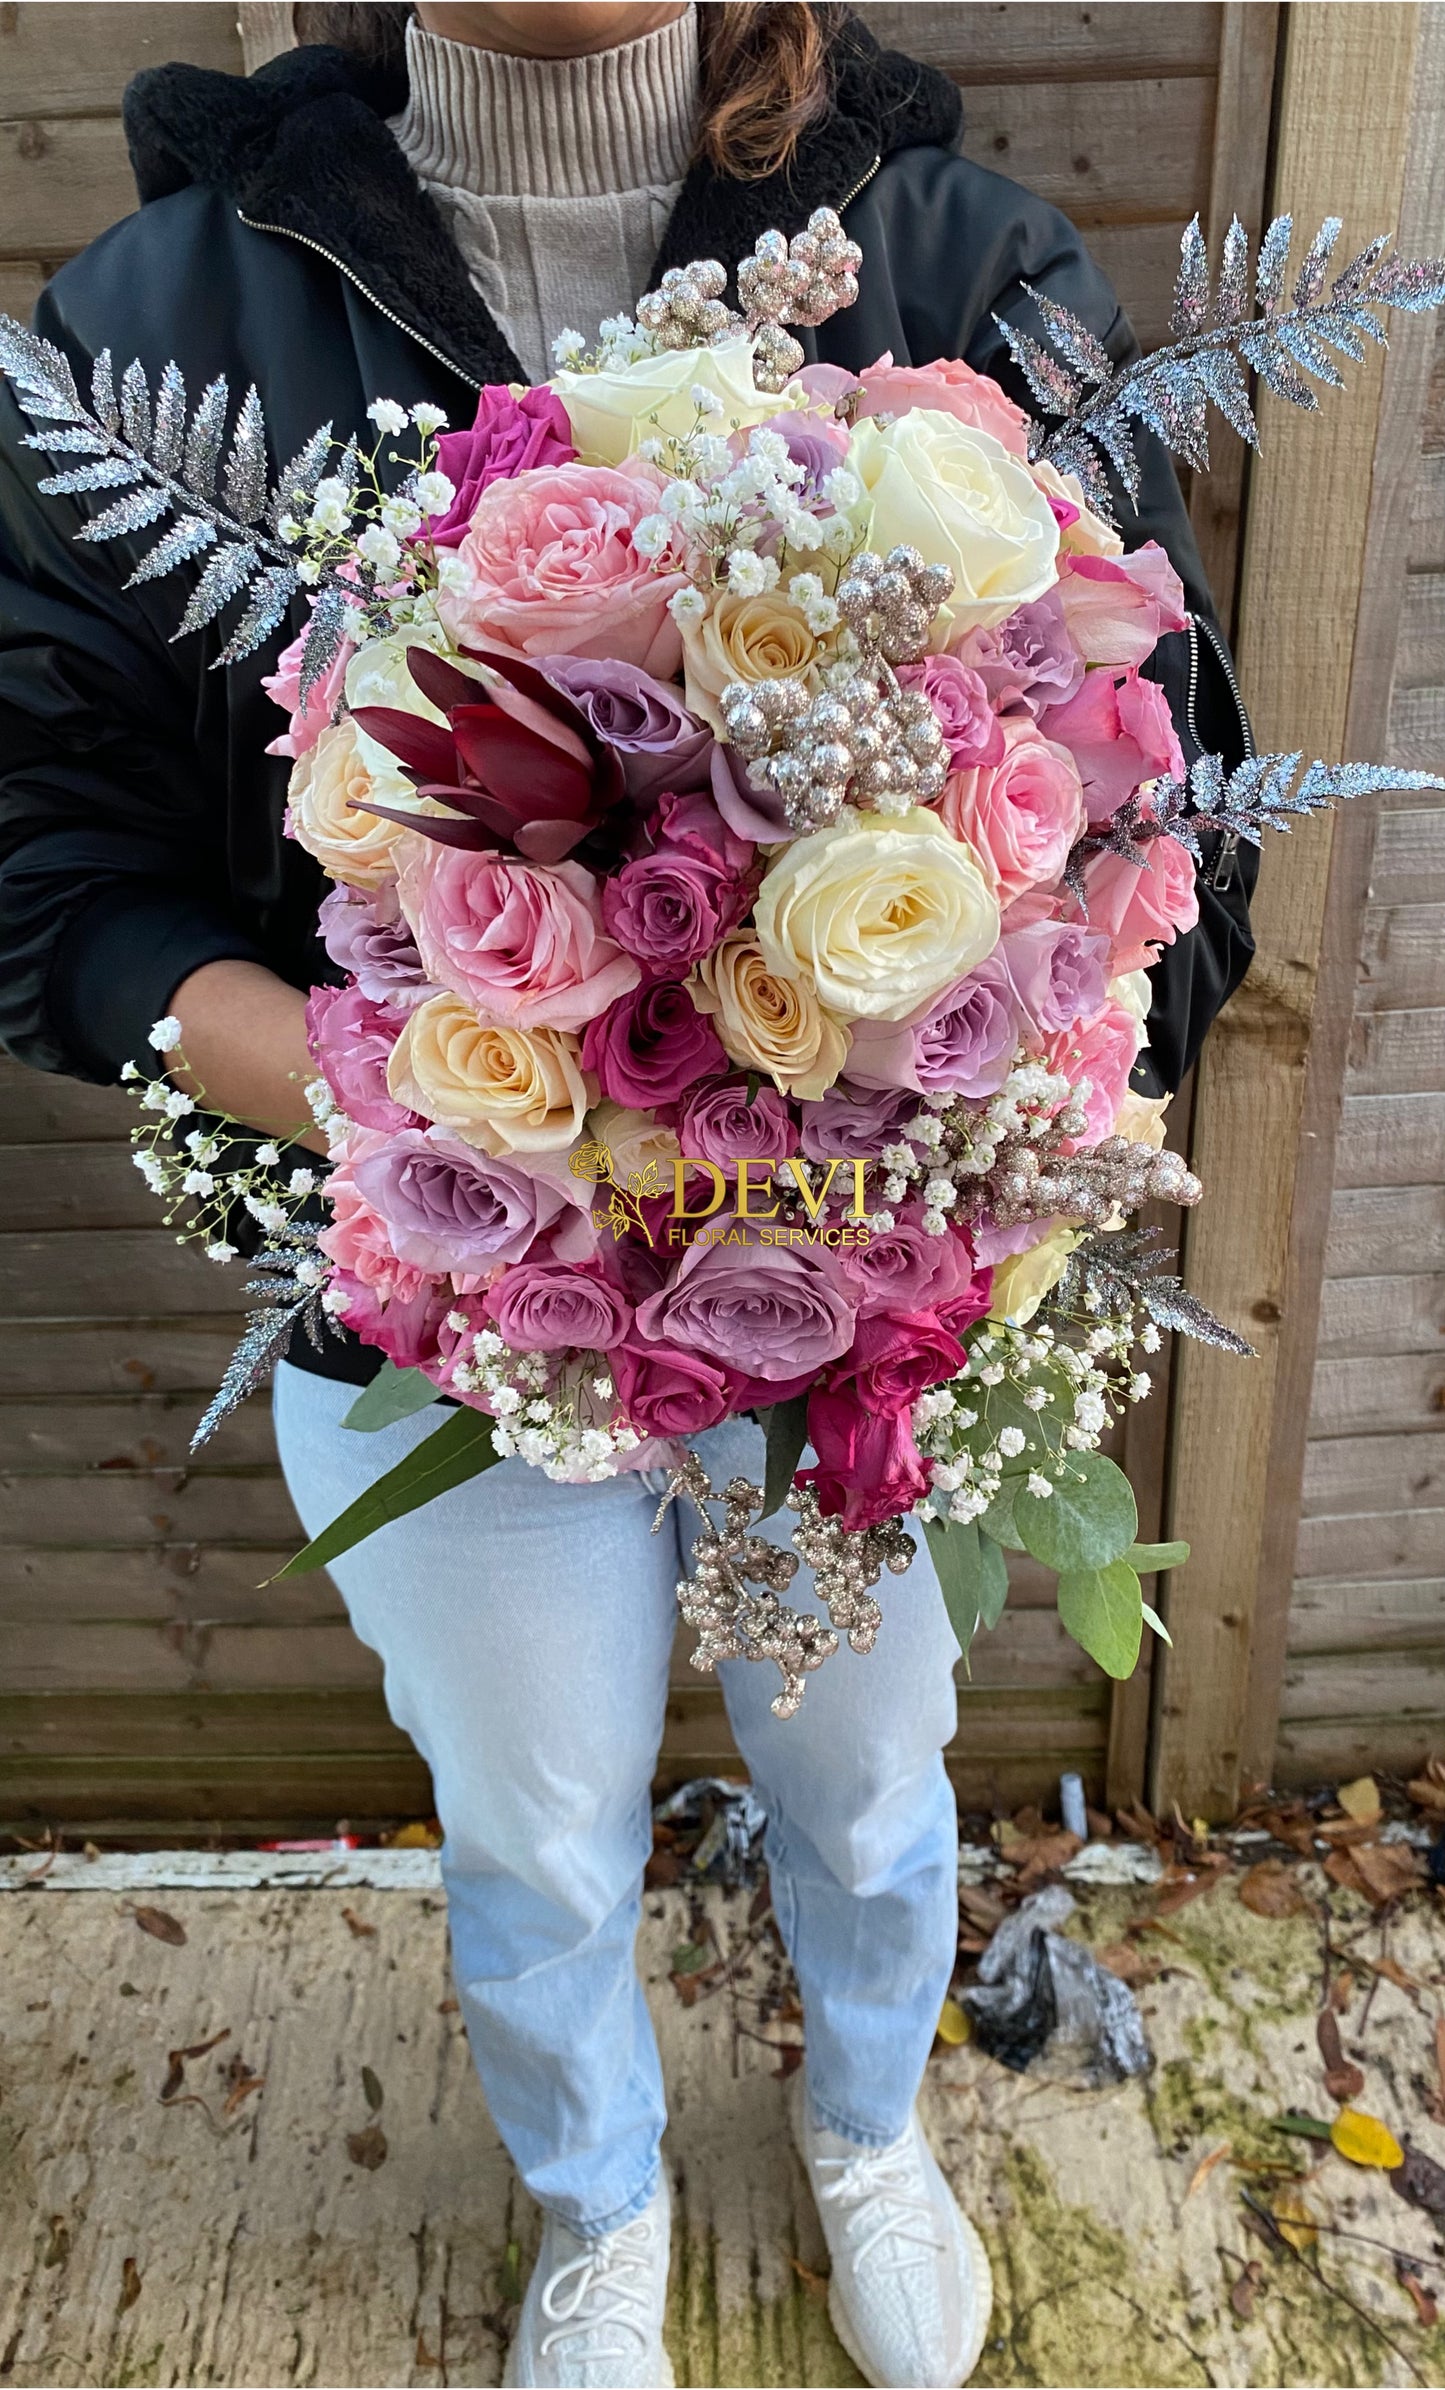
888,2197
602,2288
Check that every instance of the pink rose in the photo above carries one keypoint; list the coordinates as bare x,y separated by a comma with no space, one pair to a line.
283,686
895,1358
652,1046
1104,1053
959,697
671,906
352,1039
1142,907
407,1326
1120,733
948,387
356,1237
521,942
544,1307
1022,815
869,1467
510,435
906,1269
548,568
1118,607
666,1390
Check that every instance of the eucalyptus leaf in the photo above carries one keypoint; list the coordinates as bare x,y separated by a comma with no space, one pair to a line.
393,1394
785,1425
1103,1609
998,1520
1149,1559
993,1580
1088,1520
955,1552
448,1457
1153,1619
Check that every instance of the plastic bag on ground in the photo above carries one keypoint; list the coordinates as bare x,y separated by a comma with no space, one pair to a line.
1040,1994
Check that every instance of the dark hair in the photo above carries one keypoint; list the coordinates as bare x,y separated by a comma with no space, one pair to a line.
765,70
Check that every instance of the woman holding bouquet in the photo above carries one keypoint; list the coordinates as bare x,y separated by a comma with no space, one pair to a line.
419,204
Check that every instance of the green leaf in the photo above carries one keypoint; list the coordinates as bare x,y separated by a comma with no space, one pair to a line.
955,1551
393,1394
998,1520
993,1580
1088,1520
1103,1610
785,1425
1310,2128
1150,1558
446,1458
1153,1619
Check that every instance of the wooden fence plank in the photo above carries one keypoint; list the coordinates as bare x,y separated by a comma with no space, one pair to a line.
115,1273
87,1186
1106,41
1398,1053
1370,1542
1331,1751
185,1584
1375,1231
1345,1475
35,1106
60,59
71,1357
127,1507
1417,729
1348,1685
1106,153
1390,1141
149,1431
1383,1315
63,179
1399,957
1369,1616
1408,864
1371,1397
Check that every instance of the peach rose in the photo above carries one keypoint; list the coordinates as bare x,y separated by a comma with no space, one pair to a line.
768,1021
743,638
1081,531
949,387
1118,608
510,1091
1021,816
548,568
1142,906
327,784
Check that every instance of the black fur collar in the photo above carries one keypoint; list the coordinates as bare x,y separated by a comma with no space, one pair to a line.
304,144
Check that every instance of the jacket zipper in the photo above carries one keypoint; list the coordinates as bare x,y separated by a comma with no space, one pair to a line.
1223,868
862,185
380,305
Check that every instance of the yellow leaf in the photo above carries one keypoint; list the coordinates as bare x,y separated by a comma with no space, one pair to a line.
953,2025
416,1837
1365,2141
1360,1800
1199,1827
1291,2213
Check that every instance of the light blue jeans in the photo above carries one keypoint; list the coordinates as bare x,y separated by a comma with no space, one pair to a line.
525,1631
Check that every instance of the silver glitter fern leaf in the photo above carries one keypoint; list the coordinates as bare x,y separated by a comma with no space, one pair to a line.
287,1285
1124,1272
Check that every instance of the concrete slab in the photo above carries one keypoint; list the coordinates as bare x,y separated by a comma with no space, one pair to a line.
236,2235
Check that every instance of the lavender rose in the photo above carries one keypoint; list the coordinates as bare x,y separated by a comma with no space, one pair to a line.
660,743
964,1045
541,1308
771,1312
509,435
1029,660
366,937
448,1207
670,907
352,1039
907,1269
855,1122
748,808
720,1125
961,704
1058,971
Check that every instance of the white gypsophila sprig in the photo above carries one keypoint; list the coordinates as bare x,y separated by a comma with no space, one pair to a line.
206,1175
561,1419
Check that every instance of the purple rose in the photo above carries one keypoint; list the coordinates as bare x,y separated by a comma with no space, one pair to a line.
352,1039
855,1122
907,1270
964,1045
651,1045
719,1124
816,442
447,1207
660,743
540,1308
960,701
1058,971
508,436
1029,660
746,806
770,1311
366,937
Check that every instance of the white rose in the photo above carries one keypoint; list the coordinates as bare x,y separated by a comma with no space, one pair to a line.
1133,993
611,413
957,496
379,674
881,913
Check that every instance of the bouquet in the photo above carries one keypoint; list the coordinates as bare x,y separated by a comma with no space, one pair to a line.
750,826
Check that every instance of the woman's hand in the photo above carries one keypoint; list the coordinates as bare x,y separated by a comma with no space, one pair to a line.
243,1034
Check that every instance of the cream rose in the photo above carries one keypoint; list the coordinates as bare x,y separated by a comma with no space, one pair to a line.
633,1139
327,783
769,1019
1089,534
611,413
1021,1282
957,495
743,638
1140,1118
510,1091
1134,991
880,913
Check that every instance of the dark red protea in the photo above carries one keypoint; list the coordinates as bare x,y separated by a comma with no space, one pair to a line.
515,760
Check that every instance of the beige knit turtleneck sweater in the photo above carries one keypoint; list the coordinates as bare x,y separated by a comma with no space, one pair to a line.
556,176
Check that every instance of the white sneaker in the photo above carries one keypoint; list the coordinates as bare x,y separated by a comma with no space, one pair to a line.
592,2316
911,2292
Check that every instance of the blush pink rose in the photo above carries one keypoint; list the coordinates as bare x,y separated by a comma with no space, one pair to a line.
962,708
1021,816
406,1326
521,942
1118,607
948,387
548,568
283,687
1120,733
351,1039
1142,907
1104,1053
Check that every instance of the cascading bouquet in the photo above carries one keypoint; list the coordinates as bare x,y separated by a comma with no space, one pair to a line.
750,831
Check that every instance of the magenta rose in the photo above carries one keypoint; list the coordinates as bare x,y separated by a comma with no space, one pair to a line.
1120,732
661,744
668,1391
1104,1053
1020,816
352,1039
869,1468
1142,906
510,434
539,1307
720,1125
548,568
524,943
366,937
1028,660
962,706
1119,607
447,1207
651,1046
906,1269
769,1312
896,1357
671,906
1059,972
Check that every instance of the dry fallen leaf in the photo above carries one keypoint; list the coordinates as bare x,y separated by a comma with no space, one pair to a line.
1243,2288
1293,1826
1291,2213
790,2058
1365,2141
1394,1973
160,1923
1427,2311
806,2275
1130,1965
1270,1890
176,2063
1360,1800
357,1925
1206,2166
242,2083
1343,2080
1419,2180
448,2007
1380,1871
1178,1886
1428,1792
953,2025
367,2148
130,2285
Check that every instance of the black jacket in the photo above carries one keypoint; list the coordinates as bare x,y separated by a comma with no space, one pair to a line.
283,239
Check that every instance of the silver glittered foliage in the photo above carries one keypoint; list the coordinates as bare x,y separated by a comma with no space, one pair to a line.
1287,340
734,1621
169,463
289,1278
1124,1272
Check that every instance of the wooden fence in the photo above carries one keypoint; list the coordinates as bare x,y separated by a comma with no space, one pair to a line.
147,1683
